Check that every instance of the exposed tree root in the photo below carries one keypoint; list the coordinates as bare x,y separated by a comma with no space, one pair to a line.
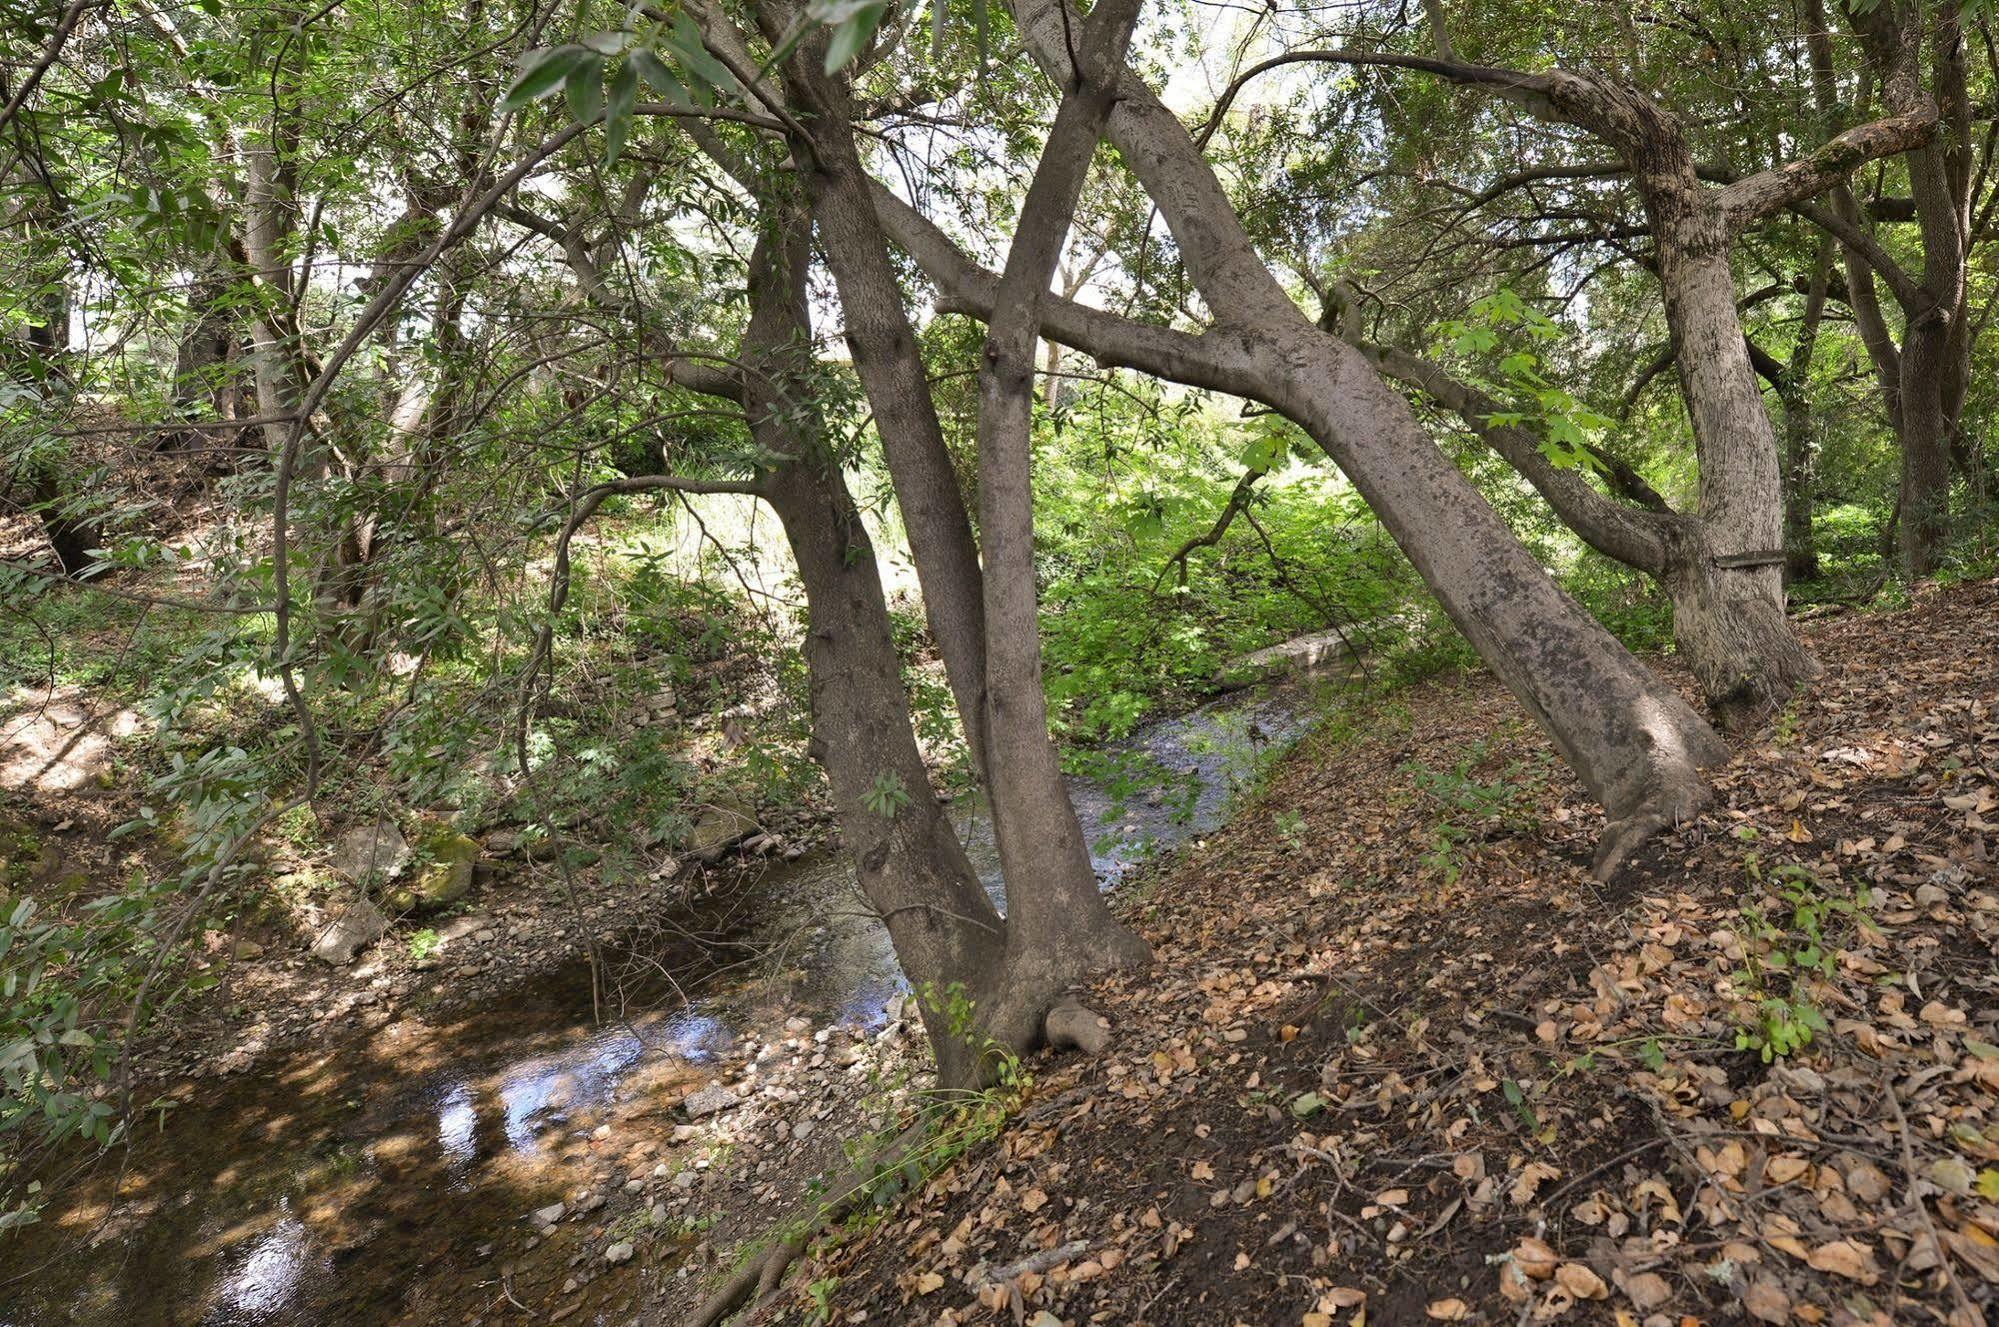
1664,809
1071,1026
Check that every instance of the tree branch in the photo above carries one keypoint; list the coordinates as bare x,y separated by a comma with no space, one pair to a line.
1749,200
1635,538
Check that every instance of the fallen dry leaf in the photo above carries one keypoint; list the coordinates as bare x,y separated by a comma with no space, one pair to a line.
1581,1282
1530,1179
1845,1258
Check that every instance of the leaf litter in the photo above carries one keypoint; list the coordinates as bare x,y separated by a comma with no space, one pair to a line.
1407,1062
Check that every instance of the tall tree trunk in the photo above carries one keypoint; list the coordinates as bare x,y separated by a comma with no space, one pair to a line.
910,863
70,530
201,385
1058,927
1923,490
889,362
1728,587
1801,557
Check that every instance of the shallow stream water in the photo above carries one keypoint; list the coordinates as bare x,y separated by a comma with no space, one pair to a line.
322,1188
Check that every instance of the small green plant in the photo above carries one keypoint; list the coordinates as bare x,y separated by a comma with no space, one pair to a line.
1784,728
887,795
820,1292
1471,807
1786,949
424,943
1290,824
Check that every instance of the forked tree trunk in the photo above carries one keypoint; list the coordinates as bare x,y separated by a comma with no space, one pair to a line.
947,935
1057,926
1061,930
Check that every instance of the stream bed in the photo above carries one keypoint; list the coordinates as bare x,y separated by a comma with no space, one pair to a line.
351,1182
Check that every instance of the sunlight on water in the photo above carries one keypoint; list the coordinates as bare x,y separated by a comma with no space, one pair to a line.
263,1280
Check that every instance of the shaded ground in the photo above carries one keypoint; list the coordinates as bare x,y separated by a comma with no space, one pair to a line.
1400,1058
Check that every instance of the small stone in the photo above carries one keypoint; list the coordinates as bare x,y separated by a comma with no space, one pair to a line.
619,1252
549,1215
801,1130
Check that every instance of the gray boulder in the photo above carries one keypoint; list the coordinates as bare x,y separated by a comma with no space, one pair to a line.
725,822
352,926
371,853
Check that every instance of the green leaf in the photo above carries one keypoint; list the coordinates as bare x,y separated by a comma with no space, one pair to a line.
618,111
1988,1184
695,58
850,34
586,89
1262,452
1307,1105
658,77
540,73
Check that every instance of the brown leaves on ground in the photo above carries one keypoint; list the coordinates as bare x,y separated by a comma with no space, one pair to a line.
1372,1078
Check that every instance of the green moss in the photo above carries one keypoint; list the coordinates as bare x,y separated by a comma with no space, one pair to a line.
443,875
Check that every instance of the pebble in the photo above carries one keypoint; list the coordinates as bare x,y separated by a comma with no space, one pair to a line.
548,1216
619,1252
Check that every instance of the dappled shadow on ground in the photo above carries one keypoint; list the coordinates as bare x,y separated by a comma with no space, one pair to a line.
365,1183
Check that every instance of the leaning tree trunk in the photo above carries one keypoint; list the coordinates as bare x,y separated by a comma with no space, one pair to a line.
909,861
1637,746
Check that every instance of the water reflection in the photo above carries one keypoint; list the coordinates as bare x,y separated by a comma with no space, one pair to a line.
416,1154
263,1280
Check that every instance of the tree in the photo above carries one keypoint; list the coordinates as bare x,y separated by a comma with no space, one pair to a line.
1636,745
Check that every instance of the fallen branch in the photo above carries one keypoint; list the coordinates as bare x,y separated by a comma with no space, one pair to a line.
761,1278
1038,1262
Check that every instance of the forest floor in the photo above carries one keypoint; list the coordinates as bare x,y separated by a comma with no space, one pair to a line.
1401,1060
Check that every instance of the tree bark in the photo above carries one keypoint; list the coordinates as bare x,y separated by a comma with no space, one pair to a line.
1637,746
1923,378
1058,926
908,859
888,360
1801,558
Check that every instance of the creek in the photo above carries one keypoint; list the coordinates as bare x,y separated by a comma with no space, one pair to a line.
354,1182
